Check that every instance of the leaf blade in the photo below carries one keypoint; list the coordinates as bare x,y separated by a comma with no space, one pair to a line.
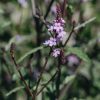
68,79
14,90
30,52
79,52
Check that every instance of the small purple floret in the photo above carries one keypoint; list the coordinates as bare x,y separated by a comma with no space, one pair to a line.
51,42
56,52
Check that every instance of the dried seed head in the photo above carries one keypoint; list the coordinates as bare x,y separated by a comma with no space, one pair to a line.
12,48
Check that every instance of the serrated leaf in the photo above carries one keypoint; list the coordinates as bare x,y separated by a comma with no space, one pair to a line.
79,52
14,90
30,52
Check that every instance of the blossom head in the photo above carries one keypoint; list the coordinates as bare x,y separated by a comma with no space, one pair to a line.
57,30
51,42
56,52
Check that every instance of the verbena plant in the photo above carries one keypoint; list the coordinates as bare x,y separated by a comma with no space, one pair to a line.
50,69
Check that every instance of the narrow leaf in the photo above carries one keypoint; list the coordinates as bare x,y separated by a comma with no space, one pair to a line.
79,52
28,53
6,24
68,79
14,90
85,23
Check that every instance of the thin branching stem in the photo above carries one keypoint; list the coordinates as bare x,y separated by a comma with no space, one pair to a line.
48,9
17,68
66,87
78,27
69,36
38,82
47,12
84,24
58,77
47,83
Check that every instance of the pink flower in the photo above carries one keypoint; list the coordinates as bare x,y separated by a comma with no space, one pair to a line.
61,35
51,42
56,52
57,28
62,21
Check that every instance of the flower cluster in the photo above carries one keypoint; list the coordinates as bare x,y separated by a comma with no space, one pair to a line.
58,33
51,42
58,29
56,52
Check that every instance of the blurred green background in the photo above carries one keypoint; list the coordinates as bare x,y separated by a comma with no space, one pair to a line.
18,25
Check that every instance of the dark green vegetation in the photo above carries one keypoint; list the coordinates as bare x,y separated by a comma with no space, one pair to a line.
79,75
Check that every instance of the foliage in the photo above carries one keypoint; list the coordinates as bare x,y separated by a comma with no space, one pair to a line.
27,66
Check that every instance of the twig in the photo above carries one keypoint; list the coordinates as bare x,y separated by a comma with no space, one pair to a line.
58,77
4,60
84,24
48,10
47,83
44,22
17,68
78,27
41,17
28,65
66,87
69,36
38,82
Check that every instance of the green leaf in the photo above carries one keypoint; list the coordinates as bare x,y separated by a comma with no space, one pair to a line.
85,23
30,52
79,52
1,11
14,90
68,79
15,77
6,24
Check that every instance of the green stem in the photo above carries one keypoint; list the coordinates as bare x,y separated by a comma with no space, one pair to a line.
38,82
17,68
69,36
58,77
47,83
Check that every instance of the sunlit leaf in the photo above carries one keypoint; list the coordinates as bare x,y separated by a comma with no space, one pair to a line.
14,90
68,79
